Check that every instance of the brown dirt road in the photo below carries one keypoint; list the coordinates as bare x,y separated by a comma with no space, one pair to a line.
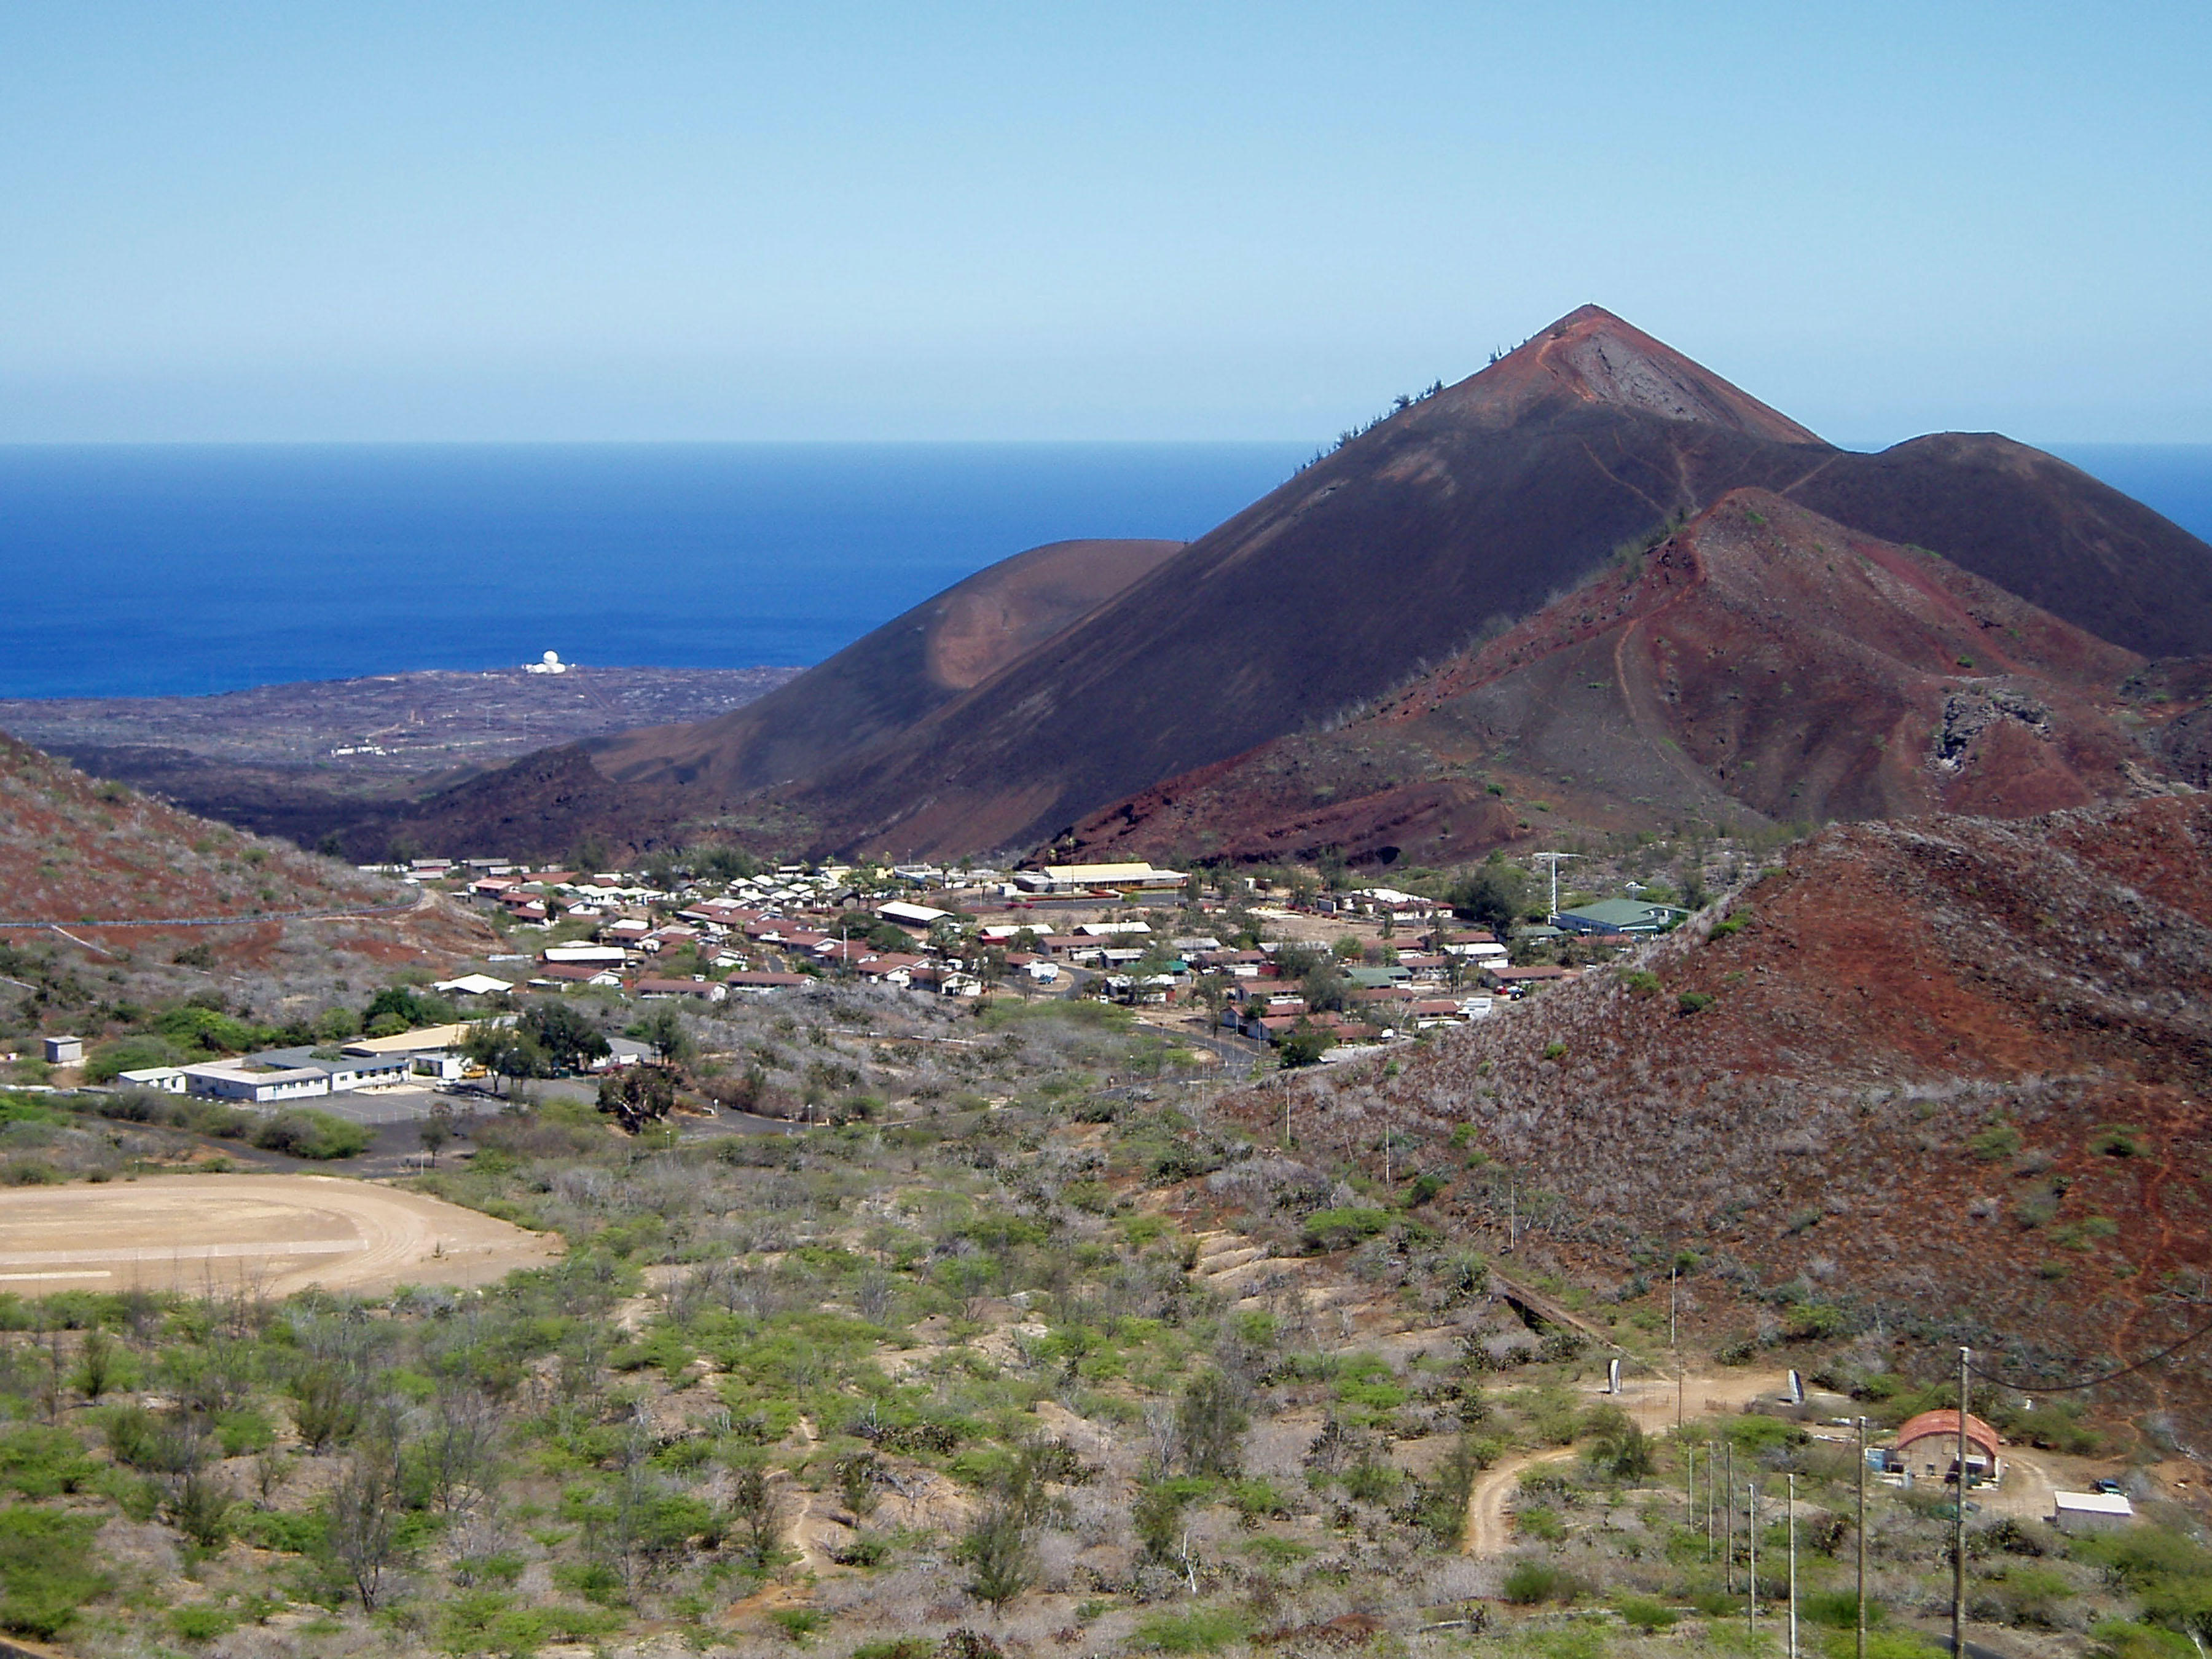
1650,1401
273,1234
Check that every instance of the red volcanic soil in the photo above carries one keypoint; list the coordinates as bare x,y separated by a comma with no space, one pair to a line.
1591,356
1004,712
885,682
96,858
1952,1079
76,850
1762,666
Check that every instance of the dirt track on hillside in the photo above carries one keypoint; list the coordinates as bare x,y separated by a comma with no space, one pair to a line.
271,1234
1650,1401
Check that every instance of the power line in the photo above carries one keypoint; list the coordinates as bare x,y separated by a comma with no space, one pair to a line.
2095,1381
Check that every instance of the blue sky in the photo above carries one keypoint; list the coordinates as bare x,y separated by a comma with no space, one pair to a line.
670,220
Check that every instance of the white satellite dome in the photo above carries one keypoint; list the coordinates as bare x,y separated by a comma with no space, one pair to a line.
550,663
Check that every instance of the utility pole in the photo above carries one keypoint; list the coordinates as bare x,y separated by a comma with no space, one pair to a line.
1727,1515
1673,1286
1959,1526
1552,858
1512,1213
1751,1527
1690,1487
1793,1567
1708,1500
1863,1553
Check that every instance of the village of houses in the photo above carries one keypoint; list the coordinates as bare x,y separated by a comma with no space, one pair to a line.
1062,930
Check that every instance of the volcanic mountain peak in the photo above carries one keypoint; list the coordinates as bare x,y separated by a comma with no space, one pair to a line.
1591,356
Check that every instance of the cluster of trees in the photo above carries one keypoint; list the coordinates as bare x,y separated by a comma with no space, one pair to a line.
548,1038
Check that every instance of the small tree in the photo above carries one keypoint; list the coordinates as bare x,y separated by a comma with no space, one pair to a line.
1210,1423
996,1547
664,1029
1621,1451
364,1521
756,1507
435,1131
1304,1043
638,1095
567,1038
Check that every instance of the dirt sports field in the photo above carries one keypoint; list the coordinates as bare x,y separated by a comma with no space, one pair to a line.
271,1234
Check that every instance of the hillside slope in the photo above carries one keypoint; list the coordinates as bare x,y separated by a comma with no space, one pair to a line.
1457,516
1950,1079
76,850
1463,513
1763,665
887,681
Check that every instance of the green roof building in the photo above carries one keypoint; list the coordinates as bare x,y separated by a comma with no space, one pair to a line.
1621,916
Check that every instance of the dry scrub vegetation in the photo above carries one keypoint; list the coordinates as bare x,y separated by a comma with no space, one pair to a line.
1013,1358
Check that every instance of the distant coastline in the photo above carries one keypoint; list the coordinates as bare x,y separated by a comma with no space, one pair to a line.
183,570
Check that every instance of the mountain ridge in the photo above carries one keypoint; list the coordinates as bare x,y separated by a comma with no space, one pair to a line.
1461,513
1623,707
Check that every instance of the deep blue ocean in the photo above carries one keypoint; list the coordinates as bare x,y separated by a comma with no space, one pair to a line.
166,570
128,570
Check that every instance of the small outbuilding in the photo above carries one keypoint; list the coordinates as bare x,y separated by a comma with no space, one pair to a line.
1928,1448
2079,1512
162,1079
64,1051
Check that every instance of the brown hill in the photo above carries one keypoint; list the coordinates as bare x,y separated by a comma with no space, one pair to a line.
76,850
1465,511
1948,1077
887,681
1763,665
118,884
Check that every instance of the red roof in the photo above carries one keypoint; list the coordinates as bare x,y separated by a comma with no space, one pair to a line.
670,987
890,965
1944,1424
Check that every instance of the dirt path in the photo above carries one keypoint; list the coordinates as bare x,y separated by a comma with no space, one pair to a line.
1489,1528
1650,1401
273,1234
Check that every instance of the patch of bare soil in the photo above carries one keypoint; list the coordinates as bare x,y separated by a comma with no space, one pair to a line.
273,1234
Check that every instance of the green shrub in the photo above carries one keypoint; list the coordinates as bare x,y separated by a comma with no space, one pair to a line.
202,1622
1695,1002
1999,1140
1541,1522
303,1131
1754,1433
1529,1582
1647,1614
1201,1630
1338,1230
1837,1609
799,1623
2118,1638
2117,1140
44,1577
896,1647
42,1462
1641,984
